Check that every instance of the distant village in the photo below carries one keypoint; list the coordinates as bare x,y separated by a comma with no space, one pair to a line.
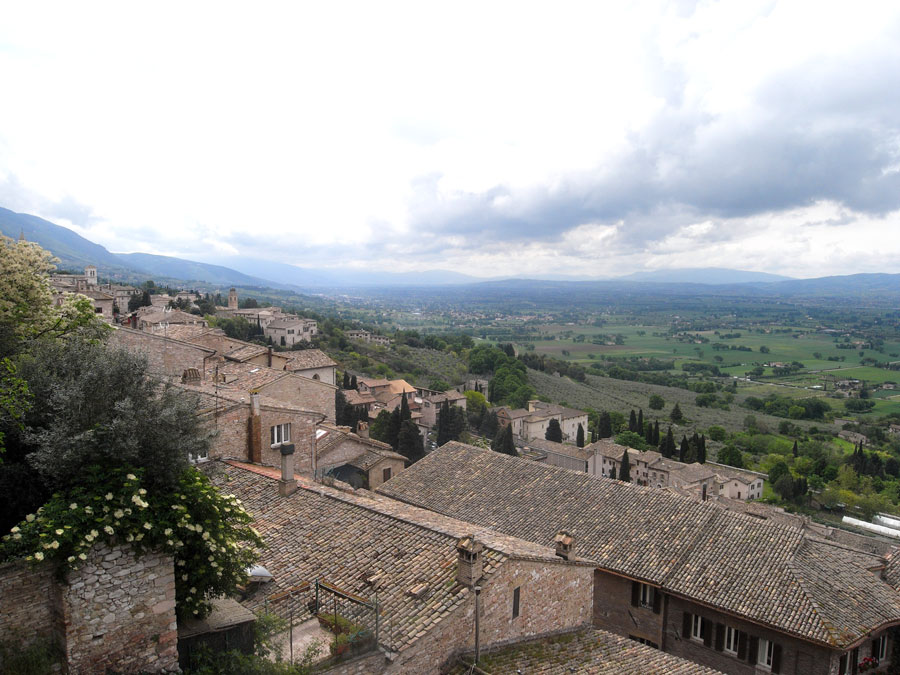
546,562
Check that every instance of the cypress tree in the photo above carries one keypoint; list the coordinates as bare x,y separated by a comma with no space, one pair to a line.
676,415
489,424
554,432
632,422
353,381
640,422
579,437
612,473
625,473
394,428
795,450
346,383
503,442
404,409
340,408
701,450
648,435
656,434
604,425
684,450
409,442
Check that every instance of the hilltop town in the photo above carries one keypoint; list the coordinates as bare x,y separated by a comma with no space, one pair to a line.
410,528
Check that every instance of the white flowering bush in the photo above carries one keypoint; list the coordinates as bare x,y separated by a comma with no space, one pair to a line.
208,533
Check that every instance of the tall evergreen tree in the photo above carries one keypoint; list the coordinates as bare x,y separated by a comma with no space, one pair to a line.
503,442
795,450
685,450
701,450
394,428
656,434
579,437
640,422
340,408
404,409
625,473
676,415
380,429
612,473
554,432
648,434
409,442
346,383
632,422
353,382
604,425
489,425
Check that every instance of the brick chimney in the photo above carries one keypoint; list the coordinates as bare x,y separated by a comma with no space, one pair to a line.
288,484
255,432
362,429
269,354
470,562
565,545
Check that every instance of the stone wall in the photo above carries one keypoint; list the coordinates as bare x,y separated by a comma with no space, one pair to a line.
614,612
376,473
797,656
26,603
168,358
303,393
116,612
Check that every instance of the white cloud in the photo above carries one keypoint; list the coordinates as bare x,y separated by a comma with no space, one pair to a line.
213,128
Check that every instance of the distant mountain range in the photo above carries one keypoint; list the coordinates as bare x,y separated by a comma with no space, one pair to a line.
75,252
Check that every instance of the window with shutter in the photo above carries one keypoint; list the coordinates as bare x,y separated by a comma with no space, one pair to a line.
635,593
720,637
685,626
752,650
742,645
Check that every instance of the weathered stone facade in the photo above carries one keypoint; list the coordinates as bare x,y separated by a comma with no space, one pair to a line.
116,612
165,357
303,393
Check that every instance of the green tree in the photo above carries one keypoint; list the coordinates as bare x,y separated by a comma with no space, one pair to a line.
625,471
380,429
409,442
554,432
139,300
640,422
676,415
731,456
631,439
717,433
604,425
340,408
778,470
579,437
345,384
476,408
489,425
632,422
612,473
503,442
657,402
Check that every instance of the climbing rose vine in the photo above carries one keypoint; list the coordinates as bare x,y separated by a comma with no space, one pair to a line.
207,532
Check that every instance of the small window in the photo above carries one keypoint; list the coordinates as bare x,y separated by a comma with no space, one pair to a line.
281,433
194,458
697,627
881,648
647,593
766,653
516,597
731,640
386,474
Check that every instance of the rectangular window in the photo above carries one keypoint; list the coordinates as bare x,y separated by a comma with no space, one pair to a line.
697,627
386,474
646,595
516,596
731,640
199,457
281,433
766,653
881,648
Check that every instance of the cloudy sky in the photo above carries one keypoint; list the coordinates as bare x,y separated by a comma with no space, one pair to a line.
488,138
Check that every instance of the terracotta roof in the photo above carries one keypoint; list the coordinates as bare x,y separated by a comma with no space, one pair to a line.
560,448
248,375
692,473
308,358
288,322
608,448
332,435
174,316
245,352
188,332
353,397
374,383
590,651
369,459
363,545
763,571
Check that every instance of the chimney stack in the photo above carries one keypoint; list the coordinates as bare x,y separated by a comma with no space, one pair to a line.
470,563
255,430
362,429
270,356
565,545
288,484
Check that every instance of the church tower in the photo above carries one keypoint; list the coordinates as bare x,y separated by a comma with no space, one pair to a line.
232,299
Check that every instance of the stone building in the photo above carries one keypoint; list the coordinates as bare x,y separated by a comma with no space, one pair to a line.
531,423
114,613
357,460
720,588
291,330
356,548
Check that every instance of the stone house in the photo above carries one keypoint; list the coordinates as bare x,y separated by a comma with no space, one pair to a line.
562,455
160,320
114,613
357,460
88,285
854,437
314,364
430,404
531,422
167,357
366,336
737,483
288,331
717,587
354,547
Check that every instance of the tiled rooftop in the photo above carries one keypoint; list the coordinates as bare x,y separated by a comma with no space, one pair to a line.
573,451
348,540
590,651
308,358
763,571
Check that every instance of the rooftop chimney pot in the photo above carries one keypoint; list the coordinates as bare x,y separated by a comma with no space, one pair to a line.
565,545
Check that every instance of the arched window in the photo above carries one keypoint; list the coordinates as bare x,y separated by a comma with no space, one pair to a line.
316,376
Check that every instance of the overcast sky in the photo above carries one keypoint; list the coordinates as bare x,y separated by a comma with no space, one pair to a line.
488,138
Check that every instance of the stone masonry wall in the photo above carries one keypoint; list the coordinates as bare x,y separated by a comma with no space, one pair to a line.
118,613
26,599
553,598
303,393
165,357
614,612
